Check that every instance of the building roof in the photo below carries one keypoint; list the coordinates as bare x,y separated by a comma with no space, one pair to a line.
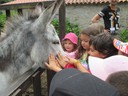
66,1
89,1
24,2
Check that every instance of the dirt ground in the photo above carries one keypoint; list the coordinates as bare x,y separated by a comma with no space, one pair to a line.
29,91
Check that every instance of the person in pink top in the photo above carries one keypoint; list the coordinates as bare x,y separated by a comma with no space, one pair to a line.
69,44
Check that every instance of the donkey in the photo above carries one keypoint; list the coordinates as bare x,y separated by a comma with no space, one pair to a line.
29,40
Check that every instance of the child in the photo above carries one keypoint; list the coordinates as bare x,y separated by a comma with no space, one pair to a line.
102,46
69,44
84,47
121,46
82,51
120,81
98,27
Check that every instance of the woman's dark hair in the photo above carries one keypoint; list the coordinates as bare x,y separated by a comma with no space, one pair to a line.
104,44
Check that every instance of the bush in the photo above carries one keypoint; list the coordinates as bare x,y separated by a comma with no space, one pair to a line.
2,21
124,35
70,27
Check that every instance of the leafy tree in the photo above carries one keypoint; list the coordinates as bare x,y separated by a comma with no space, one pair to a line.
70,27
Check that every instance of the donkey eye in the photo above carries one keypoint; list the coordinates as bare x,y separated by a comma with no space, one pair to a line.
55,42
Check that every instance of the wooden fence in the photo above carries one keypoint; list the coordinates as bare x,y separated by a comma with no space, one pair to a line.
32,76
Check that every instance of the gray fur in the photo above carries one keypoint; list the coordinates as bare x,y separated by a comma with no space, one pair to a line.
29,40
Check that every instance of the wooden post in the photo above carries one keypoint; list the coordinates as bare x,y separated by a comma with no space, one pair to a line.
8,14
37,84
20,11
62,21
50,75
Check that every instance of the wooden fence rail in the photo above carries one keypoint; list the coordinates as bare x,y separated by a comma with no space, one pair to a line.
32,76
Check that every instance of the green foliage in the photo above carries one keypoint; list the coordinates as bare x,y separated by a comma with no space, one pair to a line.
70,27
14,13
55,22
124,35
2,21
4,1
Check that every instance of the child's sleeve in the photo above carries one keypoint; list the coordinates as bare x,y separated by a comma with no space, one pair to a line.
69,66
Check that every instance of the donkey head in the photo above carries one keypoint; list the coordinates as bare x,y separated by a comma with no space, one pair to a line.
30,39
47,40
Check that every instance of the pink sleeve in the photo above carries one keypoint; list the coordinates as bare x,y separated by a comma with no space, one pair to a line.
69,66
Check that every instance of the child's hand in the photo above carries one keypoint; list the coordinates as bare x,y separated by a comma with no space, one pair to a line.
53,64
72,61
61,59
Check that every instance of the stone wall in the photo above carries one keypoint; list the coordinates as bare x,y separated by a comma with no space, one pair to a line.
82,14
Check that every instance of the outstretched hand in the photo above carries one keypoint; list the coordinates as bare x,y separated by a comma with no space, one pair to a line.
61,59
53,64
72,61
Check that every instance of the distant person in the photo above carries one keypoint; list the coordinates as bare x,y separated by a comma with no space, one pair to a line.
69,44
110,15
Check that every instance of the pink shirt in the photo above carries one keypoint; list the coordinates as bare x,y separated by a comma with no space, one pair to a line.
71,54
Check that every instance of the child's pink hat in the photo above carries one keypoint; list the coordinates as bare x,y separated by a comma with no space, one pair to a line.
72,37
102,68
121,46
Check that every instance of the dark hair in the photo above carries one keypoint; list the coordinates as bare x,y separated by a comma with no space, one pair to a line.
120,81
104,44
97,28
90,31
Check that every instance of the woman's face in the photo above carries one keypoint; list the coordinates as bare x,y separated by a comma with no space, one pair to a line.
85,41
95,53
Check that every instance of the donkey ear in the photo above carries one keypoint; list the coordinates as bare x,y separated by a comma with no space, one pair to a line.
48,14
38,10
